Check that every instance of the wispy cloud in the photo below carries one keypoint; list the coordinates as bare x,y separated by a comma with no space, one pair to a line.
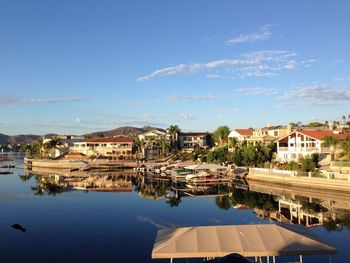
261,35
227,110
255,91
317,92
316,95
264,63
208,97
194,68
10,100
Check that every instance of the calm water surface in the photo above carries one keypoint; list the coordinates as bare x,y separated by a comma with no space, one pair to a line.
120,223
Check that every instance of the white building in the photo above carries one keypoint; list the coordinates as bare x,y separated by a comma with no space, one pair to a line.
240,134
304,143
154,135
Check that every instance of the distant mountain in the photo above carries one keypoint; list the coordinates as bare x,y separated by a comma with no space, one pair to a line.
121,131
17,139
125,131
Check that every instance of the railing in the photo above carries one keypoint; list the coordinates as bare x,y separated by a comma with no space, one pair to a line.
340,164
321,174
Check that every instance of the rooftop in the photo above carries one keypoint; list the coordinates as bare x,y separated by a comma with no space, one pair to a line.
110,139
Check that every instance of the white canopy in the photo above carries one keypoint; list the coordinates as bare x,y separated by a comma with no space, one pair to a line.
247,240
206,166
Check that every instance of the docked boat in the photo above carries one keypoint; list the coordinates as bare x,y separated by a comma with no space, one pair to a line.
179,175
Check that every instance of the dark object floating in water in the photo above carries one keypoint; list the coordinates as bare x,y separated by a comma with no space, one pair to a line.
231,258
18,227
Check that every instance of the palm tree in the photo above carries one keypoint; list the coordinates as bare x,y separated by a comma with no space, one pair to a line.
221,134
164,146
330,142
344,119
174,130
52,145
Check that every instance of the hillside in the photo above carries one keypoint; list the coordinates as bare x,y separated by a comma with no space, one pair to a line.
121,131
125,131
17,139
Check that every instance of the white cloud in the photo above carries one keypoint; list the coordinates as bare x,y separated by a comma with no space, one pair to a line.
263,34
317,92
255,91
10,100
264,63
316,95
208,97
194,68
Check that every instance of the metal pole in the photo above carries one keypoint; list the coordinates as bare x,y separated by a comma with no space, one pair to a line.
273,259
268,259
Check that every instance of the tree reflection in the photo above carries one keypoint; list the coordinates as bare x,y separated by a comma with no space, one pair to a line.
223,202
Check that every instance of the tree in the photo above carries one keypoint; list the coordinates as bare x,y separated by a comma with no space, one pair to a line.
174,130
100,135
307,164
345,146
164,146
233,142
315,124
217,156
344,119
330,142
221,134
223,202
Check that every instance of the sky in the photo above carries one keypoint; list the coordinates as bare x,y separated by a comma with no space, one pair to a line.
74,67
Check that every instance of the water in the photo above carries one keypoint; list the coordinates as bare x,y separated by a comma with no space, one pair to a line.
65,225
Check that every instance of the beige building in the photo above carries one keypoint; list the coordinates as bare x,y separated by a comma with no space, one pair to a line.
109,147
190,140
269,134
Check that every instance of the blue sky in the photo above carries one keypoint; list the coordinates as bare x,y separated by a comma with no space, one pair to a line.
82,66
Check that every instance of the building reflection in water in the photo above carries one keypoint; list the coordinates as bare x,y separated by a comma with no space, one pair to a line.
270,201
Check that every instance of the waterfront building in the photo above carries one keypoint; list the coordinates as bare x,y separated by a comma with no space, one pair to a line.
241,134
120,147
268,134
303,143
154,135
152,147
191,140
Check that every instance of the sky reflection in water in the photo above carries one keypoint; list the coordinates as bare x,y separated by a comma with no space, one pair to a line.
79,226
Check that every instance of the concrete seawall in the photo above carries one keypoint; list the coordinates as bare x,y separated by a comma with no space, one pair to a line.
289,179
57,164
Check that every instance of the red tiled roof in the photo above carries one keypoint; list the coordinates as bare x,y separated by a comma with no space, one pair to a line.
110,139
245,132
320,135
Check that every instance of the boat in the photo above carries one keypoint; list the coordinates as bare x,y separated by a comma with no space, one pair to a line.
179,175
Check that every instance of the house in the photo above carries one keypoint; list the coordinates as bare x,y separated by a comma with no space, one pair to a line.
303,143
268,134
241,134
151,146
154,135
121,147
191,140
